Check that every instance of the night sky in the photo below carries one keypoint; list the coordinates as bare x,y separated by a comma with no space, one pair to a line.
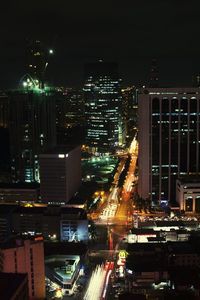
129,32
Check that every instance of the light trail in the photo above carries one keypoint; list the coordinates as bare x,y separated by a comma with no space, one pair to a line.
106,284
96,285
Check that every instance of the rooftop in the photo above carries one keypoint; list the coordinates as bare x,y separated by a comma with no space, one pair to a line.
20,185
20,241
64,248
51,210
65,149
190,179
9,284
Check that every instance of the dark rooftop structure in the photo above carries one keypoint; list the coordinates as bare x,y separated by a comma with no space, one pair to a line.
73,212
64,248
13,286
128,296
62,149
145,247
20,185
190,179
142,231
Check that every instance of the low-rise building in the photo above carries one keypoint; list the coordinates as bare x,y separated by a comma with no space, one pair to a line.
63,264
19,193
188,194
63,270
53,222
151,267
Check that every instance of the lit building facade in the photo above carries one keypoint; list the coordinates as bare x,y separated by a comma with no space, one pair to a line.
75,107
130,107
32,130
169,140
188,194
63,270
103,107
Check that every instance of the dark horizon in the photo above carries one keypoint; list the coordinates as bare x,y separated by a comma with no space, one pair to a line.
131,34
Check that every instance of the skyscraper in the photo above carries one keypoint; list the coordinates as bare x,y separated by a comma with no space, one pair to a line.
169,140
32,129
103,110
37,62
75,107
129,104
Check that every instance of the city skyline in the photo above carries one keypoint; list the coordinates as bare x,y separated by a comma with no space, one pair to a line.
132,35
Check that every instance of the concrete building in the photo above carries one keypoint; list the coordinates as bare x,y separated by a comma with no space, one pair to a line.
64,263
53,222
60,174
26,256
73,230
154,268
169,140
188,194
6,219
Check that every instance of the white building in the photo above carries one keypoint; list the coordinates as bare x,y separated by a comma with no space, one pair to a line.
188,194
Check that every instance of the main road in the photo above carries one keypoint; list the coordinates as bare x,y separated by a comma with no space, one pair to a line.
114,219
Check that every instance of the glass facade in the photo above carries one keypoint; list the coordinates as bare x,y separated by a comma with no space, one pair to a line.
32,131
103,107
174,134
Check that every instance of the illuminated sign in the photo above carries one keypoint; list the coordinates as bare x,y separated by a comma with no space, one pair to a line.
38,238
122,254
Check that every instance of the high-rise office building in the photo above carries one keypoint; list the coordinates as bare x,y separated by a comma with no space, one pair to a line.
32,130
74,107
169,140
60,171
103,111
130,106
70,117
